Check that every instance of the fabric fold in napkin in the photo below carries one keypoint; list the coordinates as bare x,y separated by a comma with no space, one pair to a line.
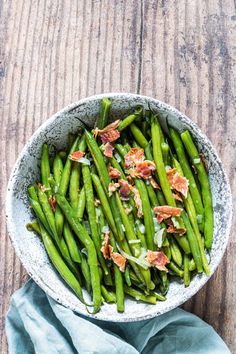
35,323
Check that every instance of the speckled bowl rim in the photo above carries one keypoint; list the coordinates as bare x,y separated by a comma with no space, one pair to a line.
40,281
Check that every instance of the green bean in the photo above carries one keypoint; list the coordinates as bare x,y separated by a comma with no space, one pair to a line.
81,204
83,236
189,206
129,119
57,169
176,269
186,271
59,264
148,219
175,252
92,215
32,193
33,226
138,136
183,242
45,168
108,295
188,173
138,295
158,159
193,242
62,155
105,179
135,247
158,296
39,213
165,283
165,153
167,251
127,276
140,235
119,286
85,271
104,203
104,113
152,195
63,186
192,265
71,244
205,186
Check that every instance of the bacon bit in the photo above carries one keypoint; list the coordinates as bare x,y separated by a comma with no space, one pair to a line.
97,202
165,212
177,196
154,183
138,202
130,180
133,156
108,150
114,172
119,260
204,161
177,182
109,133
107,249
52,202
112,187
144,169
172,230
75,156
124,189
158,259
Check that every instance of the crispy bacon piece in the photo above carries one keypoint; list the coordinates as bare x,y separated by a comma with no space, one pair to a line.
108,150
177,196
133,156
138,202
165,211
144,169
204,161
106,248
52,202
113,187
130,180
75,156
158,259
114,172
172,230
177,182
109,133
154,183
119,260
124,189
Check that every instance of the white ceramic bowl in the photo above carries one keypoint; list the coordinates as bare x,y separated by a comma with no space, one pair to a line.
54,131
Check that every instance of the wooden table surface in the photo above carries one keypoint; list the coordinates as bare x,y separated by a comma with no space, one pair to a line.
54,52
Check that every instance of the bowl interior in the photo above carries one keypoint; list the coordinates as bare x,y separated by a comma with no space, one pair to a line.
26,171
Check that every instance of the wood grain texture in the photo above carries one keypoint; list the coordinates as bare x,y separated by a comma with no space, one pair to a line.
181,51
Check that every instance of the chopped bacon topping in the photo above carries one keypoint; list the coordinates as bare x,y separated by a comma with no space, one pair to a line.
165,211
124,189
130,180
114,172
133,156
158,259
97,202
106,248
109,133
108,150
177,196
113,187
52,202
138,201
75,156
119,260
143,169
172,230
177,182
154,183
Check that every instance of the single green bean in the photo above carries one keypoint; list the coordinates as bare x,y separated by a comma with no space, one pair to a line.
57,169
104,113
205,186
138,295
183,242
108,295
192,265
127,276
33,226
186,271
178,271
71,244
165,283
85,271
175,252
45,168
138,136
165,152
129,119
81,204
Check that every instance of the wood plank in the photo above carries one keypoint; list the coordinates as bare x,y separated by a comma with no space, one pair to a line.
182,52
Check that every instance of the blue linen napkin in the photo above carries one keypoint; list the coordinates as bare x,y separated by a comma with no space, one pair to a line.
35,323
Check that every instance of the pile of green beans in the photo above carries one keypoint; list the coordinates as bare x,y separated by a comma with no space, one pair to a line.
75,212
